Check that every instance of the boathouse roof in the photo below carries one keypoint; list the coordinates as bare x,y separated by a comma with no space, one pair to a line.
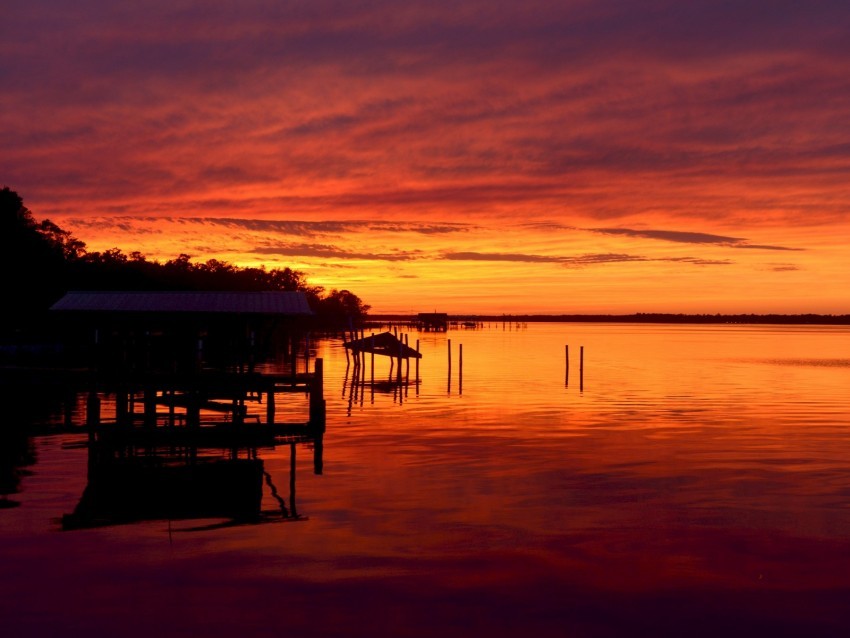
193,302
385,344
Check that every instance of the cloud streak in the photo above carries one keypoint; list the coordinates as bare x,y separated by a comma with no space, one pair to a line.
577,260
688,238
333,106
329,251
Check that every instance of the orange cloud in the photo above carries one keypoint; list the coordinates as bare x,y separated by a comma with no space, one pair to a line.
436,130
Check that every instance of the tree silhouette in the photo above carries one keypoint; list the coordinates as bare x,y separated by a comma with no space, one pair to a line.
32,260
41,261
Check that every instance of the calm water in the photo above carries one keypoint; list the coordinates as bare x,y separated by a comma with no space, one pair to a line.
697,484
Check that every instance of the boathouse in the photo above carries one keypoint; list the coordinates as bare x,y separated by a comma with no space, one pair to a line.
433,321
183,389
384,344
185,365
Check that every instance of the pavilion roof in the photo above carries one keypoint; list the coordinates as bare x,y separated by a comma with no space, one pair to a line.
256,303
385,344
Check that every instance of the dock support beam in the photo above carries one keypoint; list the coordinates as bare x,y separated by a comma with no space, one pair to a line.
317,397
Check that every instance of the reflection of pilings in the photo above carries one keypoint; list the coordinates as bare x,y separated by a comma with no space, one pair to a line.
567,363
400,355
273,489
406,368
401,378
417,368
460,369
449,390
292,477
581,369
318,453
407,361
363,380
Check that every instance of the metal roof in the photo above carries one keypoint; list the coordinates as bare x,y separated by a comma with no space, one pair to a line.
385,343
265,303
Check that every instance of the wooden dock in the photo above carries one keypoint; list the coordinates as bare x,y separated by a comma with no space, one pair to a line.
205,408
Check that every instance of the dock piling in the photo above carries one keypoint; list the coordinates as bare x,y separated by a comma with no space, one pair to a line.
317,397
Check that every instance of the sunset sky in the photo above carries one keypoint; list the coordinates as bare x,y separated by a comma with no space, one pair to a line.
479,156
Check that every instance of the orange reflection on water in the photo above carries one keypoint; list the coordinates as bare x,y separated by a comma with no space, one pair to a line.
699,480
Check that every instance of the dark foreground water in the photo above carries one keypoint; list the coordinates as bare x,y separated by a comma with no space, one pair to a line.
698,484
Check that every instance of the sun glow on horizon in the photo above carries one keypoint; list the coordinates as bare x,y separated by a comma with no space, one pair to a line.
487,266
572,157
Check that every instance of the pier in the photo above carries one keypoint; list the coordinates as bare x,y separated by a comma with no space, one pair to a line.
185,367
182,390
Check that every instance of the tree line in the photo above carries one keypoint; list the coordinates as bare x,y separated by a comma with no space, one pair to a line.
41,262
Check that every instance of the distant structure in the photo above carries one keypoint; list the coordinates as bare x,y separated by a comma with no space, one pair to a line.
433,321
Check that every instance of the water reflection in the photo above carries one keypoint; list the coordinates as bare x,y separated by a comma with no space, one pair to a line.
16,454
128,485
697,486
356,385
29,402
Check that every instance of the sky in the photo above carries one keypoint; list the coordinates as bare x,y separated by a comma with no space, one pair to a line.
490,156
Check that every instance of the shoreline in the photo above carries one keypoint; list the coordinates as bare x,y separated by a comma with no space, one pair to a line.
640,317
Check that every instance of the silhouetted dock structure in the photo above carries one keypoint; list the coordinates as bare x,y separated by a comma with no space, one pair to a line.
180,371
182,367
383,344
132,484
433,321
386,344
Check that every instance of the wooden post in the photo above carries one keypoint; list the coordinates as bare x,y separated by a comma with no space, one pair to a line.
372,348
400,351
406,362
171,415
122,406
317,398
567,361
293,360
150,406
252,347
93,410
417,368
270,406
